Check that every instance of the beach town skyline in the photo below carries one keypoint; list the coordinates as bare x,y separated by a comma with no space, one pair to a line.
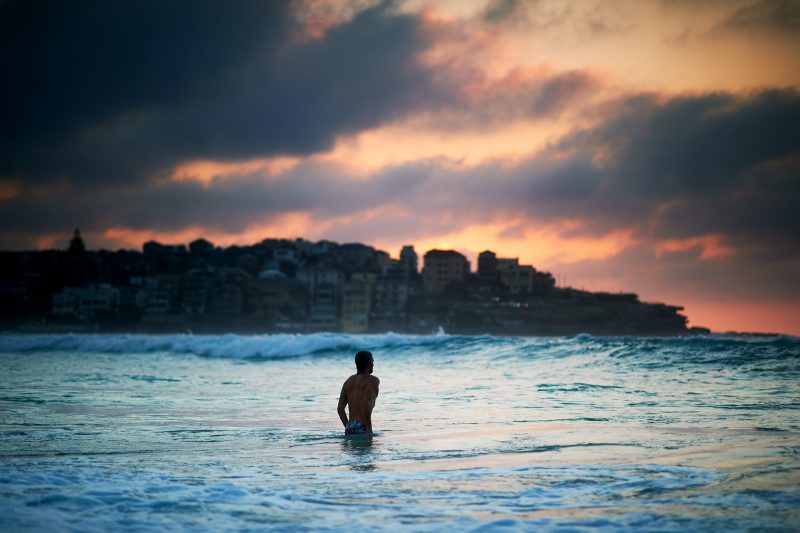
301,286
388,262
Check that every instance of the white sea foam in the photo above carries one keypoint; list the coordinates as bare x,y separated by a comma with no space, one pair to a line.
228,346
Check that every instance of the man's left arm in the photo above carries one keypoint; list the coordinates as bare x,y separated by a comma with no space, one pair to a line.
371,396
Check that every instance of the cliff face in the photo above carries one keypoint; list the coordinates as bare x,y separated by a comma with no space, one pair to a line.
556,312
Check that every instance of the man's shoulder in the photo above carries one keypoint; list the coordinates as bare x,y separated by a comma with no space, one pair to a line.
355,379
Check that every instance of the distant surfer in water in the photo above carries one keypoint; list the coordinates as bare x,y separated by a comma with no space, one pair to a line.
359,393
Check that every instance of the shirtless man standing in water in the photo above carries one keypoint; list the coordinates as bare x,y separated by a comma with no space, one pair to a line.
359,393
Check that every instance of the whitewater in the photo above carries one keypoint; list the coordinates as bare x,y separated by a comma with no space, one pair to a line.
209,432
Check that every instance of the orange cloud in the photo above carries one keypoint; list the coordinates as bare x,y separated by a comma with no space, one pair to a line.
712,246
204,170
399,143
317,17
656,46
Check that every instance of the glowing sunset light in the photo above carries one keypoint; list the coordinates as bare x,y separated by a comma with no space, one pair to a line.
541,247
288,226
373,150
745,316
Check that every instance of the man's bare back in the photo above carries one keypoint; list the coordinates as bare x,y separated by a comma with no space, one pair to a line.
359,393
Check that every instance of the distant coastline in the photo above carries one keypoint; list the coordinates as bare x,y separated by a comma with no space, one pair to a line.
299,286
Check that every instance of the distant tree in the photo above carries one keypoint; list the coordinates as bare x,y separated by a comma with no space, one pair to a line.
76,245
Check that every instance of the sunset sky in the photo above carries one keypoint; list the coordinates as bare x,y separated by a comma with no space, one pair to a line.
638,146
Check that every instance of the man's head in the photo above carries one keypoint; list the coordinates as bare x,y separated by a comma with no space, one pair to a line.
364,362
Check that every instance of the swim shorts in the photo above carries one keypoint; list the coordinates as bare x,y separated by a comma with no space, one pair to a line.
354,427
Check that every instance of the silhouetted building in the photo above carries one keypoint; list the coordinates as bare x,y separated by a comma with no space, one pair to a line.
507,262
13,297
443,267
231,295
156,248
84,303
317,275
283,301
285,254
357,302
517,278
323,312
323,247
523,279
487,269
157,303
248,262
229,300
409,261
201,246
132,301
197,287
383,261
389,303
543,282
351,257
65,303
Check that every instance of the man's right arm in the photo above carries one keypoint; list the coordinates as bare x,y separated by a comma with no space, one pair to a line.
342,404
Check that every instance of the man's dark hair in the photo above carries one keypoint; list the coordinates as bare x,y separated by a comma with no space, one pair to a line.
363,359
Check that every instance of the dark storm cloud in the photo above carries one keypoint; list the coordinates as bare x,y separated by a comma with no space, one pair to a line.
776,18
121,91
73,66
727,164
590,19
558,92
505,11
767,15
518,96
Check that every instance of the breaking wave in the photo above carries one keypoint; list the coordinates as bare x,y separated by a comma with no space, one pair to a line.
285,345
228,346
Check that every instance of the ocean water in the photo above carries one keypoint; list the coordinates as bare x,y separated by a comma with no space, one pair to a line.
119,432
